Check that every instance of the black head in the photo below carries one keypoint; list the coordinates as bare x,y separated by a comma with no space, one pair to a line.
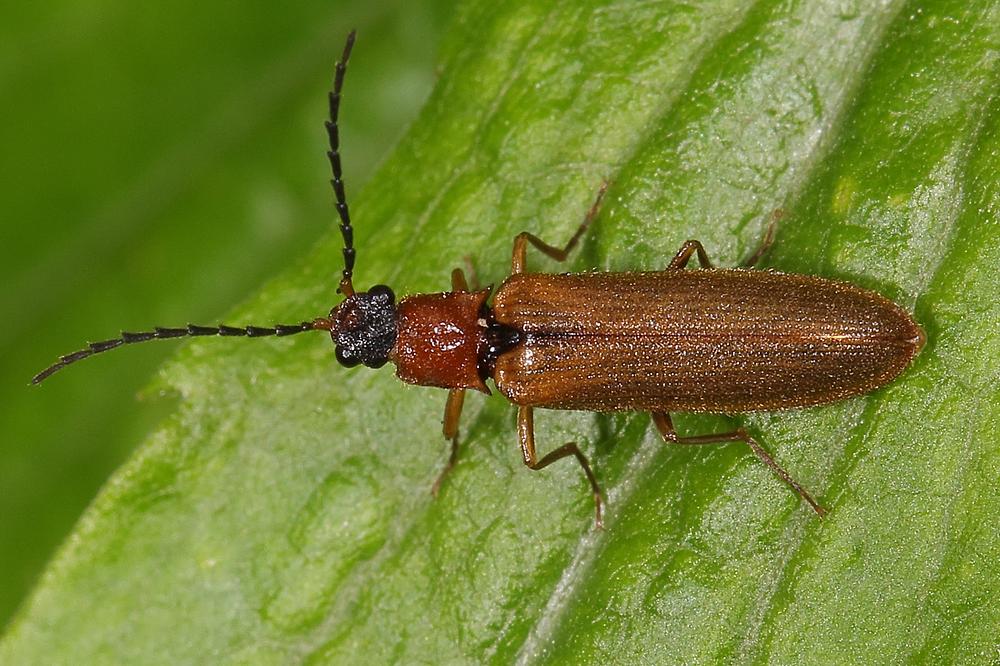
363,327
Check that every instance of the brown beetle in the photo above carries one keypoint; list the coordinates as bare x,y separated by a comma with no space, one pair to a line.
710,340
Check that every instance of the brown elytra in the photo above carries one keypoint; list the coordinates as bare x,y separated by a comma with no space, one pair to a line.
722,341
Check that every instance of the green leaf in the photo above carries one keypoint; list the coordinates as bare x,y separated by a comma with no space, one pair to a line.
282,513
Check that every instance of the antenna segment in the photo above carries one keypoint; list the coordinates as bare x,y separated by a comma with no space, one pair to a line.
190,330
347,231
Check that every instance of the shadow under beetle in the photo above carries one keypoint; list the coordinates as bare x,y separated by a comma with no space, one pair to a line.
709,340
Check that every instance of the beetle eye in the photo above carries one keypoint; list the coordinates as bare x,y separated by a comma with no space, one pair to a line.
344,359
382,293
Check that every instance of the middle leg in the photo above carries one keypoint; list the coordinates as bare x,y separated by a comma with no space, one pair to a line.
526,435
517,262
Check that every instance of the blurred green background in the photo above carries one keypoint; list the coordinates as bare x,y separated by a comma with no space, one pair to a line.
159,162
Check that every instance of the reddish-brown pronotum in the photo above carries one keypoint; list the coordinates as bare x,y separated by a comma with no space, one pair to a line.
709,340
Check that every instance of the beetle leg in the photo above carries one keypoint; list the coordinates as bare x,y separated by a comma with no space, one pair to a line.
452,413
456,398
458,282
684,255
666,428
521,241
767,241
474,282
690,247
526,435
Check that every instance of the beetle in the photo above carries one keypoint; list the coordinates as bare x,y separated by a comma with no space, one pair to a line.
708,340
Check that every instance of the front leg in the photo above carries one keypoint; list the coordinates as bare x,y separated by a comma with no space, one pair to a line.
456,399
452,415
526,435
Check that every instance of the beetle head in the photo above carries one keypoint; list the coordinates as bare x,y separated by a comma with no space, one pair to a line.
363,327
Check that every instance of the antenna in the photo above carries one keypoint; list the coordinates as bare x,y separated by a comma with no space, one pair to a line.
190,330
280,330
347,231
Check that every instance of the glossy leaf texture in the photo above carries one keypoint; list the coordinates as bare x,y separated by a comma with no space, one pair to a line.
282,513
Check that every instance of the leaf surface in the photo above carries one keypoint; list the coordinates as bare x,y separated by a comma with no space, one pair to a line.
283,514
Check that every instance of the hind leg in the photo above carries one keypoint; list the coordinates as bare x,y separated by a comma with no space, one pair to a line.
669,435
